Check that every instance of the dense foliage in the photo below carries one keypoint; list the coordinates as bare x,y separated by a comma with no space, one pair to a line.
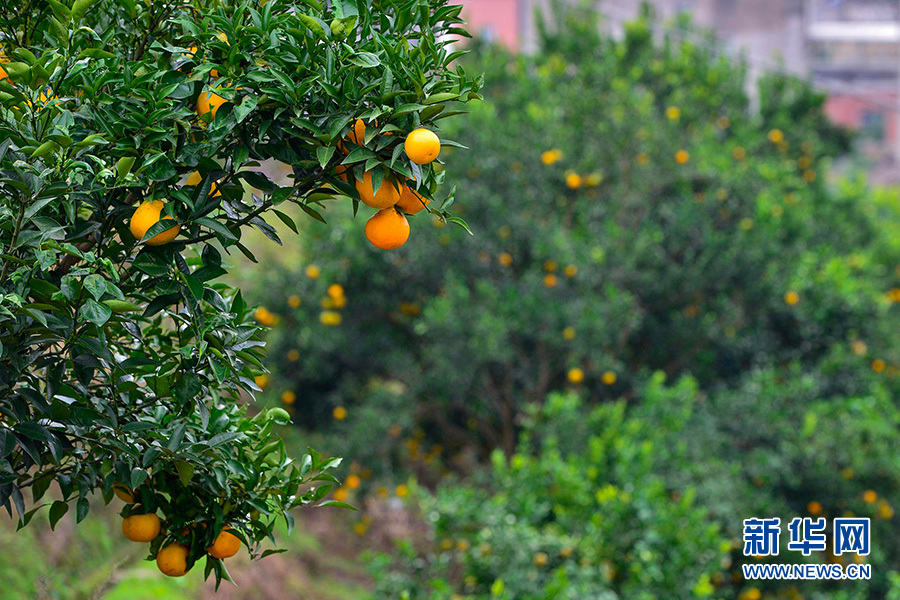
634,213
122,359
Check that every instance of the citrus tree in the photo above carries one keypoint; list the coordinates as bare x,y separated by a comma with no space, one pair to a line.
131,136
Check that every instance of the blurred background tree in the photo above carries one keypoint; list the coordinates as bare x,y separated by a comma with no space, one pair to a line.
636,221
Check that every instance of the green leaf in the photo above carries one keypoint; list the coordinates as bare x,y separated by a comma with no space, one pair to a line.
95,53
138,476
80,8
216,227
82,508
95,285
439,98
366,60
243,110
336,504
57,510
324,154
95,312
185,471
195,287
59,9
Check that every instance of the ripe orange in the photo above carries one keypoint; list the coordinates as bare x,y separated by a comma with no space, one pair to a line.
226,545
573,181
336,290
124,492
3,73
145,217
196,178
608,378
422,146
682,156
209,102
141,528
387,194
172,560
387,229
410,201
288,397
357,135
576,375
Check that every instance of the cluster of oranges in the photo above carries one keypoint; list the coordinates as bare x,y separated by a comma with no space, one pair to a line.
883,508
336,299
551,280
388,228
572,179
576,376
172,558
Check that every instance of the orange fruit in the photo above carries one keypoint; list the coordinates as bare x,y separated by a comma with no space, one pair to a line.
422,146
226,545
196,178
336,290
410,201
124,492
387,229
3,73
141,528
209,102
145,217
172,560
387,194
682,156
357,135
576,375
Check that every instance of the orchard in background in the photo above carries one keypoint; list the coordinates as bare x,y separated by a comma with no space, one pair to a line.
131,132
643,234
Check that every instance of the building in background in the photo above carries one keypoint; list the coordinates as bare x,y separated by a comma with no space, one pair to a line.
848,48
